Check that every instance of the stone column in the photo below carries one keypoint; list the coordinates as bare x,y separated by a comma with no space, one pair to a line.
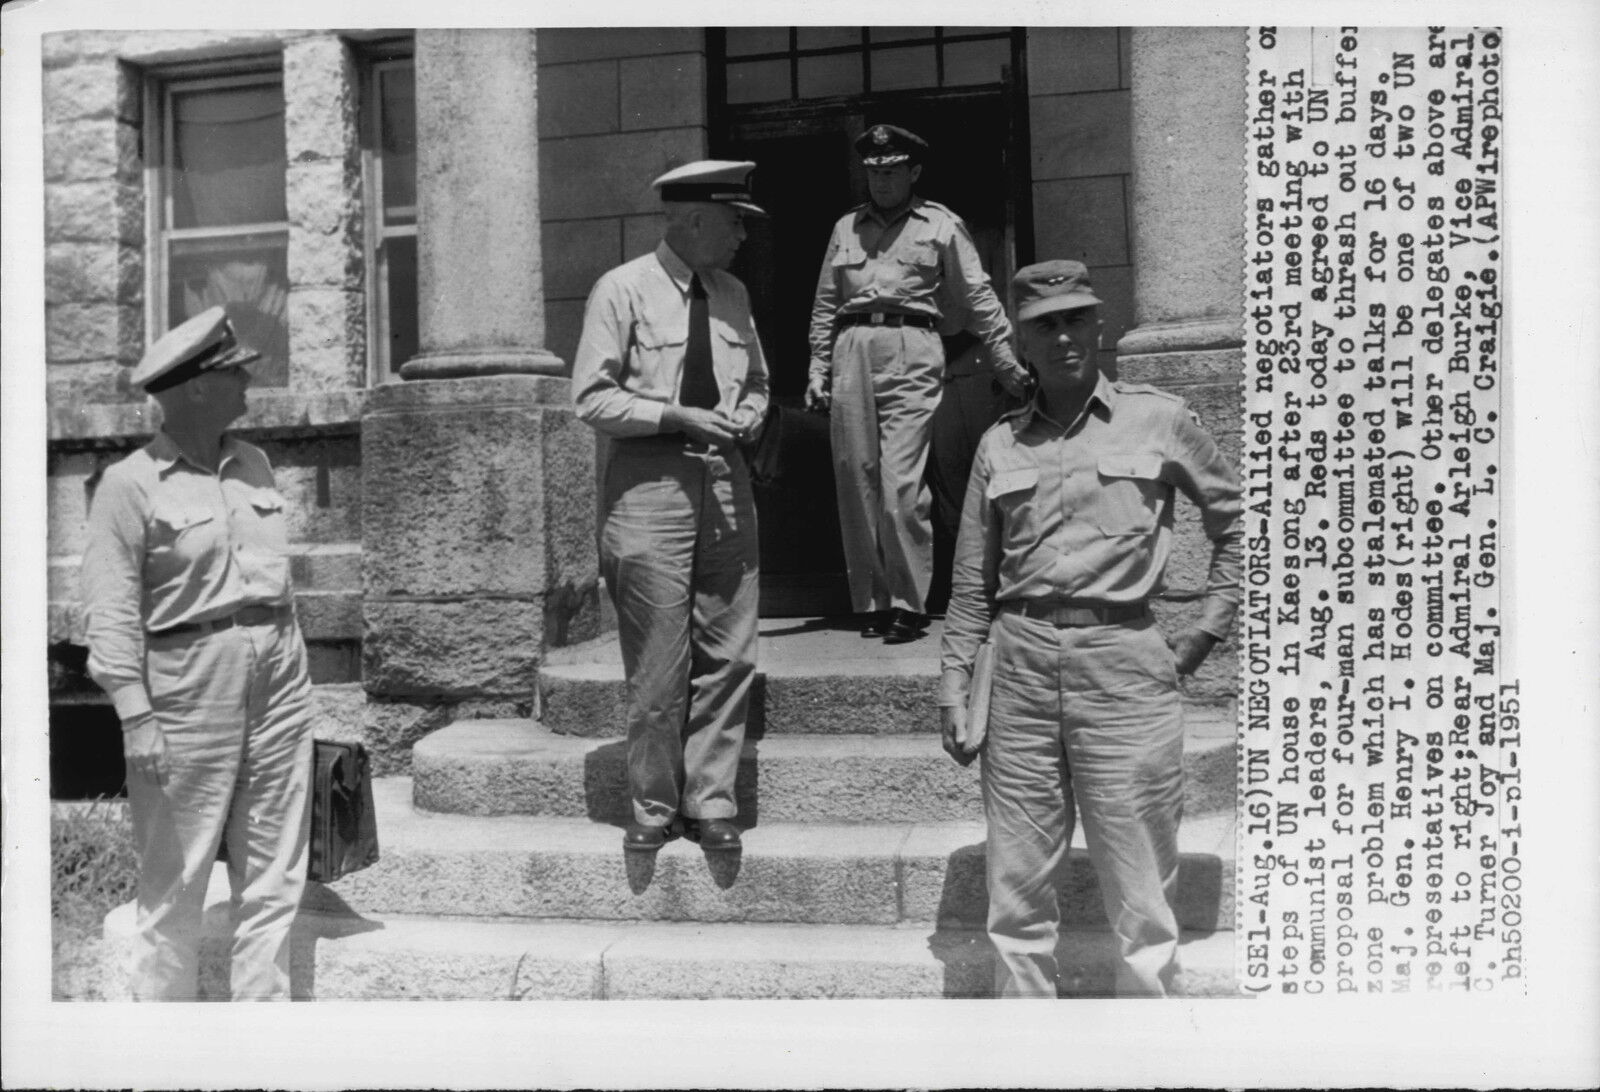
1188,250
477,479
480,274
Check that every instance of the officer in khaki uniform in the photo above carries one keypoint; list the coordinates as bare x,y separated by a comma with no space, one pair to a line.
892,268
669,367
1064,539
191,631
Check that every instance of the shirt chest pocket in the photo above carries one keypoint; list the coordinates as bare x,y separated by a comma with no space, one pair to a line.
181,532
920,255
730,347
1131,497
658,347
1012,492
849,257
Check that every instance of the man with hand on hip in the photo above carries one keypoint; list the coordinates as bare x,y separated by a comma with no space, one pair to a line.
1064,539
893,267
189,611
670,369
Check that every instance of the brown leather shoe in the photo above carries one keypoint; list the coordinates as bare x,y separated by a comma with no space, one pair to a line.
646,837
905,626
713,835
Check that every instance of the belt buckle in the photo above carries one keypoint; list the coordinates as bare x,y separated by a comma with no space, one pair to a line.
877,318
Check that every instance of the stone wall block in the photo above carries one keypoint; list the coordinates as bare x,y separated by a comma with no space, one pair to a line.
90,89
579,177
81,211
1067,59
81,151
1089,135
576,253
327,566
563,324
577,99
319,197
326,338
81,331
81,273
321,107
78,389
450,502
570,518
475,647
663,92
567,44
329,616
641,233
1085,219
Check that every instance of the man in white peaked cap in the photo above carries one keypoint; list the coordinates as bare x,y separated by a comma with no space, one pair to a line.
189,612
669,367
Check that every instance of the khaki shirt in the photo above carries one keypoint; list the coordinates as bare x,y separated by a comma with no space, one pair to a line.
1084,512
923,263
171,543
629,364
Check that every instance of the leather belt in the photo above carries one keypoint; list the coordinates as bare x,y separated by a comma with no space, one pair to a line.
676,441
887,318
1066,615
245,616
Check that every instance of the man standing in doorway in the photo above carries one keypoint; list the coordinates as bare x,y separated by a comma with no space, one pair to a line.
189,613
1064,540
893,267
669,367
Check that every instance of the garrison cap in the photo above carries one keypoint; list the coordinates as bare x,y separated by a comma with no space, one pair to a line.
722,181
200,344
1051,286
889,145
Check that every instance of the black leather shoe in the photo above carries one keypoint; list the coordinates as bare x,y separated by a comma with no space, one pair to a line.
646,837
876,623
905,626
712,834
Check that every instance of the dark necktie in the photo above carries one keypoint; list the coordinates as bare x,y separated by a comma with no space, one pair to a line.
699,386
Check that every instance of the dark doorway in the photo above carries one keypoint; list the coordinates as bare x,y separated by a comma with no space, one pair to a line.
808,176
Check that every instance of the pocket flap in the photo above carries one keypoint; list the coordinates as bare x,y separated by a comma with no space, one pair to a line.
1136,464
849,255
267,500
1013,481
660,333
180,519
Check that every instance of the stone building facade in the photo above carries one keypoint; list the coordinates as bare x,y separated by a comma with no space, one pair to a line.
411,221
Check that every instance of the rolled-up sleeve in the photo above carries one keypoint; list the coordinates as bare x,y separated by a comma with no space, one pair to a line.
1206,478
600,397
110,580
824,309
972,590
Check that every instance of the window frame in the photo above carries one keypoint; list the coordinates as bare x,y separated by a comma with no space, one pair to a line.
377,229
158,137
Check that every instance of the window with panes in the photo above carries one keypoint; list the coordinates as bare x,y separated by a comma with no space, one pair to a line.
219,231
390,144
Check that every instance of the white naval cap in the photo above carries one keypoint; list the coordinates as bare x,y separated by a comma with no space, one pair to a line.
725,181
197,345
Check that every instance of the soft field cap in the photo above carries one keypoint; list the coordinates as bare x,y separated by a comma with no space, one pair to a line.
1052,286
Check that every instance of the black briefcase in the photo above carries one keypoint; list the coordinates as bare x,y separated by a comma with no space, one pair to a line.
344,826
791,443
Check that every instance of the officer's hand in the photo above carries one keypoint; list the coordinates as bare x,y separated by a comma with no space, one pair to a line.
706,426
144,749
818,399
1190,648
1018,384
954,734
746,423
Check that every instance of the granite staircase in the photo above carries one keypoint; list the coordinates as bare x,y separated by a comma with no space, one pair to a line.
861,875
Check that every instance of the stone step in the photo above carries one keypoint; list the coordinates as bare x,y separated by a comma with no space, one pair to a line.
815,676
518,767
864,873
397,957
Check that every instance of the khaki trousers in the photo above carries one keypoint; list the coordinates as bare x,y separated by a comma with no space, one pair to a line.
235,707
886,385
1091,714
678,553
